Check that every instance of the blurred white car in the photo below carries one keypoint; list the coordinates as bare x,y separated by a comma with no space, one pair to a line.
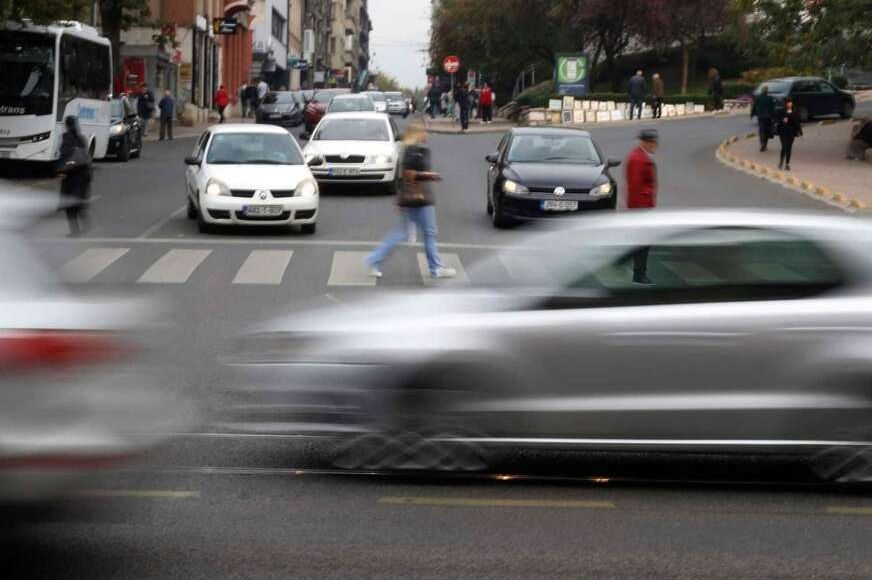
380,100
352,103
250,175
80,391
356,148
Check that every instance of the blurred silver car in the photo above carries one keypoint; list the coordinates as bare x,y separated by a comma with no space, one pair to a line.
756,337
79,390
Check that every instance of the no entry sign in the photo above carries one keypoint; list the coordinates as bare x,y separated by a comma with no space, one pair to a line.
451,64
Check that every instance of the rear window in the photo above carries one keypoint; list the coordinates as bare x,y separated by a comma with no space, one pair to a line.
352,130
775,87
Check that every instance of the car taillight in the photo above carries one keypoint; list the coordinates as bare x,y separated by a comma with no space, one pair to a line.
48,350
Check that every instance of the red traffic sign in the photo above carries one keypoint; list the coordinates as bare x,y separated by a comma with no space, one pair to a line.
451,64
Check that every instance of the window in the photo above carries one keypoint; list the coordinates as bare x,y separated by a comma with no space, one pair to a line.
85,69
201,145
278,26
27,69
827,88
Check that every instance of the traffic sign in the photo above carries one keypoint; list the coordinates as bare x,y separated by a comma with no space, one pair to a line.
451,64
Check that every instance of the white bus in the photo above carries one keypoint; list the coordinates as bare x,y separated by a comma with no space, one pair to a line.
46,74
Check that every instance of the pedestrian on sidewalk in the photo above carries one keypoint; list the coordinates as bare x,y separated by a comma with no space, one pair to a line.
461,101
262,90
658,91
222,99
445,102
416,207
487,104
637,92
764,110
716,89
433,98
251,98
75,169
642,192
861,138
167,108
243,100
789,128
145,106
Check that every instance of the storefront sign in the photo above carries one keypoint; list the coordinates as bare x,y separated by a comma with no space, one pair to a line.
571,74
186,72
225,25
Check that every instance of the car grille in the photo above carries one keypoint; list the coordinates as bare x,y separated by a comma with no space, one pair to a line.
249,193
246,193
338,159
569,190
305,214
282,193
219,214
266,218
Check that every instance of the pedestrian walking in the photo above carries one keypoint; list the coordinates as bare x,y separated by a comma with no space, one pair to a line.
145,106
658,92
641,173
861,138
637,92
461,101
251,98
487,104
222,99
789,127
416,207
243,99
433,98
167,108
716,89
764,109
75,169
262,90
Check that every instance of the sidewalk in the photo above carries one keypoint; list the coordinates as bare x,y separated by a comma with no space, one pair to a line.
819,167
183,132
447,126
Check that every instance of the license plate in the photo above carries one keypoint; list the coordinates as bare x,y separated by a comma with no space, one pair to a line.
262,210
275,116
559,205
5,154
343,171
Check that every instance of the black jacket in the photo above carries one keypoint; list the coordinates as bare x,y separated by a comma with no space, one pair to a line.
75,183
415,192
145,104
461,98
788,125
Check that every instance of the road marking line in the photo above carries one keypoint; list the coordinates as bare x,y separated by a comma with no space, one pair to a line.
90,263
348,269
495,502
287,242
174,267
693,273
149,494
264,267
526,268
849,511
450,261
163,222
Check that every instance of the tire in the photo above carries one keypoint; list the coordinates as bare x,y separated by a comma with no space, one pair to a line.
124,150
804,115
498,218
203,226
847,111
192,209
490,206
138,153
393,188
309,229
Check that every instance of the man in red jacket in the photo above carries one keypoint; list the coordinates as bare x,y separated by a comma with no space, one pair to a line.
486,100
222,99
642,191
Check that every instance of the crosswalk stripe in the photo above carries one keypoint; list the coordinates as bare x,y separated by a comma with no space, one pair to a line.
614,276
774,273
449,261
87,265
348,269
526,268
265,267
174,267
692,273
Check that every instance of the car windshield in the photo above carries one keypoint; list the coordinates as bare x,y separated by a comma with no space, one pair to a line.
282,98
350,105
394,96
379,97
27,69
352,130
775,87
254,149
325,96
553,149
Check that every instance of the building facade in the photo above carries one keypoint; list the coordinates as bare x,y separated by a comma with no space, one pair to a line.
295,42
269,25
317,31
349,41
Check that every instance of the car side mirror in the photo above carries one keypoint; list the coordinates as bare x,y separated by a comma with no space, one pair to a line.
193,161
305,136
316,161
612,162
493,158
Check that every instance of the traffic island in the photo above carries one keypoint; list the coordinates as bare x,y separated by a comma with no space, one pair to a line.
819,168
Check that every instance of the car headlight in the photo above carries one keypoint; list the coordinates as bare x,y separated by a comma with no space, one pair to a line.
381,159
602,190
217,188
307,188
514,187
117,129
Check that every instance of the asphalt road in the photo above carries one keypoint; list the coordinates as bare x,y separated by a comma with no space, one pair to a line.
219,504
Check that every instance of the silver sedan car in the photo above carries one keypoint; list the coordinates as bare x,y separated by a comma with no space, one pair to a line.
755,336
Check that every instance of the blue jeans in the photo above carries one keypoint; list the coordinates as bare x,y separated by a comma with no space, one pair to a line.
425,219
636,104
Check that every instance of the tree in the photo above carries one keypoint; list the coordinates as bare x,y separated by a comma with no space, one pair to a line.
43,11
117,16
386,83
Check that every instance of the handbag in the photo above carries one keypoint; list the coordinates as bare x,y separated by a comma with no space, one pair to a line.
79,159
412,193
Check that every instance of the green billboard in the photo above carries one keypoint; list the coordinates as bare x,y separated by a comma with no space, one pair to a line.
571,74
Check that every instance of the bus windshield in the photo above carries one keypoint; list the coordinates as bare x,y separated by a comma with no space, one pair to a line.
27,69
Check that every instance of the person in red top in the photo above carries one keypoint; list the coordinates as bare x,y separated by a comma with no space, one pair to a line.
642,191
486,100
222,99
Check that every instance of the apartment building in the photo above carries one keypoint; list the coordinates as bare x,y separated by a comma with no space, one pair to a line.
349,40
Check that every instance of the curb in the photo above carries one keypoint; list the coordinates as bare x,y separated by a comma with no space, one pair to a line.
819,192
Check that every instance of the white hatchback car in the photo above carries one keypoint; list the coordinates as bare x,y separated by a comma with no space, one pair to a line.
250,175
355,148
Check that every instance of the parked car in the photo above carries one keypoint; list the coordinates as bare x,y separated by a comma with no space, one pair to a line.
250,175
125,134
545,172
284,109
754,339
356,148
812,97
397,104
351,104
380,100
316,106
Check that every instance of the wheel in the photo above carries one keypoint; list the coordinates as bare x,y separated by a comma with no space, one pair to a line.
124,150
136,154
309,229
804,115
393,188
847,111
490,206
498,218
192,209
203,226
